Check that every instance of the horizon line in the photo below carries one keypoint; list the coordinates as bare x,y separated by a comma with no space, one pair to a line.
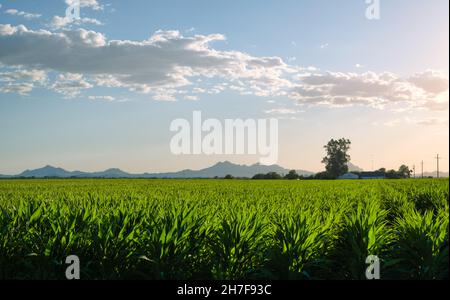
418,174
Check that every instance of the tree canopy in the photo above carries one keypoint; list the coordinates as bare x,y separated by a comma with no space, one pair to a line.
336,161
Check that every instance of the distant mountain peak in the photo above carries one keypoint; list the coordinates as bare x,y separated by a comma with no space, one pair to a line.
47,171
225,163
49,167
114,170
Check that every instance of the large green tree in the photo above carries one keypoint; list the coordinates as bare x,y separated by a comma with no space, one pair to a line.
336,161
404,171
292,175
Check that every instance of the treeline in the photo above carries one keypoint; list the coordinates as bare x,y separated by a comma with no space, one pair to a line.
292,175
402,173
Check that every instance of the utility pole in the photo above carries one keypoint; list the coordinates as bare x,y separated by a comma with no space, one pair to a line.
414,170
422,169
437,161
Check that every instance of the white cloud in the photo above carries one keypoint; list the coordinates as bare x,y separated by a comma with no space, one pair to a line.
238,88
28,75
70,84
62,22
323,46
19,88
20,81
165,60
65,22
198,90
101,98
7,29
433,122
439,103
431,81
191,98
282,111
93,4
369,88
164,97
26,15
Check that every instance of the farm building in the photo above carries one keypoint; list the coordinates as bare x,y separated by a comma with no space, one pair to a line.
372,175
349,176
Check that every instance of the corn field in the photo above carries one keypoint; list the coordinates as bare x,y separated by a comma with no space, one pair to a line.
218,229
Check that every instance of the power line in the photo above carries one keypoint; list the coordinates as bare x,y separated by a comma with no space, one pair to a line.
437,162
422,168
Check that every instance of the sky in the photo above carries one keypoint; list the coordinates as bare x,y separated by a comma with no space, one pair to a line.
101,91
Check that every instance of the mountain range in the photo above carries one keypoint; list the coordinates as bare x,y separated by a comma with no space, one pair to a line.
220,169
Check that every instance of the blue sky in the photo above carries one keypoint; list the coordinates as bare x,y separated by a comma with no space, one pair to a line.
321,67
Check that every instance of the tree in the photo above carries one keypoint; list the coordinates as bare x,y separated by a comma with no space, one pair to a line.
337,158
229,177
382,170
273,175
322,176
392,174
292,175
404,172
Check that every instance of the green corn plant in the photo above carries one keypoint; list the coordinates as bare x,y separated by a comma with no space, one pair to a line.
301,243
421,248
171,247
429,199
237,245
364,233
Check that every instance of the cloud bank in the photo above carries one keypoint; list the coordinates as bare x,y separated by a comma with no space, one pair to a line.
168,64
